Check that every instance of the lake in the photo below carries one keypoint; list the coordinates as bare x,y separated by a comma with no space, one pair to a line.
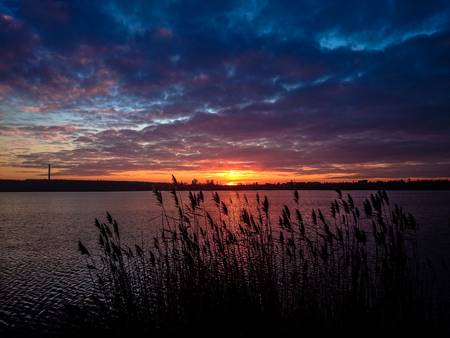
41,270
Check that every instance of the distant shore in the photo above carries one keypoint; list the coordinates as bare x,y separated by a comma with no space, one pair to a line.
91,185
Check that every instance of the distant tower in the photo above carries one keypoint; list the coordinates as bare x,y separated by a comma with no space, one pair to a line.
49,168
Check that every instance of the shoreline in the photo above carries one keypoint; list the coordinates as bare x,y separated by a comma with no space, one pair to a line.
88,185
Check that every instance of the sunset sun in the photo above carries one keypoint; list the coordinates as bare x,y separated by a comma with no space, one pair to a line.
232,177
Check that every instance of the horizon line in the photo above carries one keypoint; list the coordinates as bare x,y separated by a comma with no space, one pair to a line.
218,183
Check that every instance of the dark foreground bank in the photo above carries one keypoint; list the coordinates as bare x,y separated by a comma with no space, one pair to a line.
85,185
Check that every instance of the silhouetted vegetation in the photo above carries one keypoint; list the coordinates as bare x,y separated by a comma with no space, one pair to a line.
215,272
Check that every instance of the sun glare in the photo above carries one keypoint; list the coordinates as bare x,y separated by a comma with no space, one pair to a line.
233,177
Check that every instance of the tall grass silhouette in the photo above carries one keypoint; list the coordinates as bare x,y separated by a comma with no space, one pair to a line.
215,271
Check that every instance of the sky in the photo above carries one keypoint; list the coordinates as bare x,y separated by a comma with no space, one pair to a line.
234,91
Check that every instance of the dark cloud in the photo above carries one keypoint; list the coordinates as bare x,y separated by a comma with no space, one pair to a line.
352,89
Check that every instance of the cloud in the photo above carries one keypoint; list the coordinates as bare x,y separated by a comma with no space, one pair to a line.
351,89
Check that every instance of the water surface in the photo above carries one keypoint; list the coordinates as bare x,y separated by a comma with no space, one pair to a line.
41,270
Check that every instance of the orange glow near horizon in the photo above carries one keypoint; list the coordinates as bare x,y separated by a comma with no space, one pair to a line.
229,177
226,177
233,177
